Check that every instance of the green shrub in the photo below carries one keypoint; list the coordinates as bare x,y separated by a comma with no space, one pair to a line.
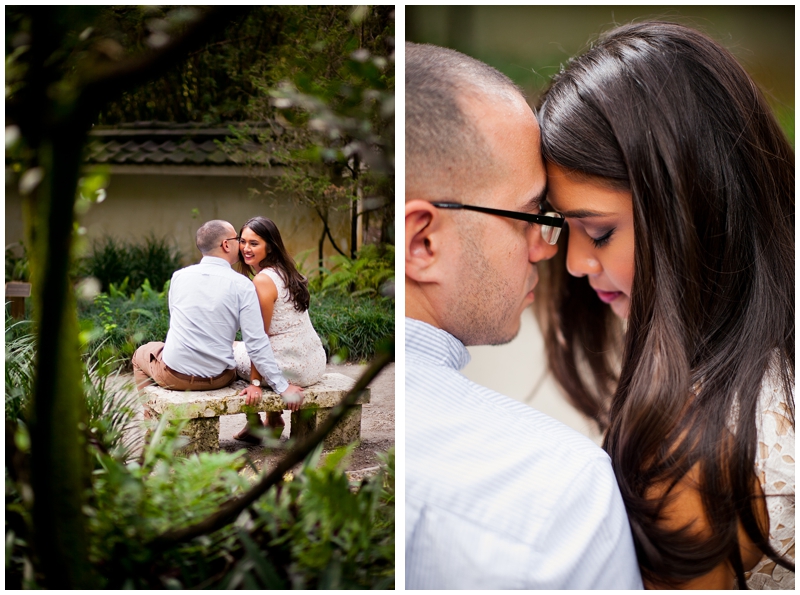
316,530
351,327
113,261
17,263
124,321
20,352
367,274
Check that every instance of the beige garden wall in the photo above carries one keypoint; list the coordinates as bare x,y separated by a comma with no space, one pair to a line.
174,206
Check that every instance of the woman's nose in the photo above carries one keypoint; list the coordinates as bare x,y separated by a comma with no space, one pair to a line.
580,256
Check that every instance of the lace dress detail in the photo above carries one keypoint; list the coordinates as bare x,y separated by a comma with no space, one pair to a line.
775,468
297,346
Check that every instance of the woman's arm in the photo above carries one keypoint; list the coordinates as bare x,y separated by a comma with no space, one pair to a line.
685,507
267,294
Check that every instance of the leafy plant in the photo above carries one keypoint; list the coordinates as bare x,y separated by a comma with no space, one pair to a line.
20,352
123,321
351,328
364,275
113,261
317,530
112,408
17,263
342,539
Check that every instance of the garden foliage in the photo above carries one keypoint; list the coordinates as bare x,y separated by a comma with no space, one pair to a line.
17,263
115,261
350,308
315,530
83,506
351,328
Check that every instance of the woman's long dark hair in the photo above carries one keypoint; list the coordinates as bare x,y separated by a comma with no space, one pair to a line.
669,114
279,259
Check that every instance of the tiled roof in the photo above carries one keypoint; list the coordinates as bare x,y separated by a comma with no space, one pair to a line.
160,143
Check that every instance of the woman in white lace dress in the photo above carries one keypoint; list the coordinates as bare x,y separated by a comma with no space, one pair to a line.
668,313
284,299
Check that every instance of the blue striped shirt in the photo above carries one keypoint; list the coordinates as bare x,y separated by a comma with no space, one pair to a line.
499,495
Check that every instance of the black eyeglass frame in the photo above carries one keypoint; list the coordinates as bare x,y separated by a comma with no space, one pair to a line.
228,240
529,217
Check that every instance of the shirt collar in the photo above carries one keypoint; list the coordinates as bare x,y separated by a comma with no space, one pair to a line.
434,345
215,260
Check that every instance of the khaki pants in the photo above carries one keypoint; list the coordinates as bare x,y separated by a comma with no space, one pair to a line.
149,369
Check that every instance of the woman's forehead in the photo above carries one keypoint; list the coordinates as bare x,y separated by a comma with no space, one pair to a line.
578,195
249,234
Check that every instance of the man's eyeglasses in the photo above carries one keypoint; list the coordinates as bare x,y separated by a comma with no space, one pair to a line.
551,222
228,240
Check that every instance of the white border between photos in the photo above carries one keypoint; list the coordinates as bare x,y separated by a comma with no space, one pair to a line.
400,297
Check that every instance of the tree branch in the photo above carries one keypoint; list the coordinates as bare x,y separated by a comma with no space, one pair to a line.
230,510
327,231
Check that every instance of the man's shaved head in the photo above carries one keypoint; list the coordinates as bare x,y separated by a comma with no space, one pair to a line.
211,234
444,148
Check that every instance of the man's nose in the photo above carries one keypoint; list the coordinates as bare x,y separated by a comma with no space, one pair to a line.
538,248
580,256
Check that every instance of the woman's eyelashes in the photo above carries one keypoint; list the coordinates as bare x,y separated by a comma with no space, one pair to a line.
604,239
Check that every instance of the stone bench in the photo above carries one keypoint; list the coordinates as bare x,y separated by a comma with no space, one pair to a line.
203,409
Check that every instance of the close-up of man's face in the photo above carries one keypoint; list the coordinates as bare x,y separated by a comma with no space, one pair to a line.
496,275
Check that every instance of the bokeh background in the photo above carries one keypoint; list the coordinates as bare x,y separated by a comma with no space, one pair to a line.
530,44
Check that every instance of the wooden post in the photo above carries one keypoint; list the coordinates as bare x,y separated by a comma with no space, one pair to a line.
16,292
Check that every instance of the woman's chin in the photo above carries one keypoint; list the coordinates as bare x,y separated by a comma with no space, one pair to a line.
621,306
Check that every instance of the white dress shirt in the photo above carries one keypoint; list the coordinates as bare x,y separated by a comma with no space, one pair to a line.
499,495
208,303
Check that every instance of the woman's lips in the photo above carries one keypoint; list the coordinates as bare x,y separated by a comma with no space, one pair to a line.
608,296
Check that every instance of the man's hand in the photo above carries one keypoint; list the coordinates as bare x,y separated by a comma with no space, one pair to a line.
252,394
293,397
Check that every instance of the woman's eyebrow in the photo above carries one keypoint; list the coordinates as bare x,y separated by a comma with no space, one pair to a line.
583,214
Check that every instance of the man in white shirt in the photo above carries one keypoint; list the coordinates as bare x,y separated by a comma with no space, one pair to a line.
208,303
498,495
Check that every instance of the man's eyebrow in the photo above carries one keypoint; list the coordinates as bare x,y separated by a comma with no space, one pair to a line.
535,201
583,214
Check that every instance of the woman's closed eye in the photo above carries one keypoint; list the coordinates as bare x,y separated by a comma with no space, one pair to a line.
604,239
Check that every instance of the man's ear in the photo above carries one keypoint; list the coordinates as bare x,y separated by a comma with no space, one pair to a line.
423,242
